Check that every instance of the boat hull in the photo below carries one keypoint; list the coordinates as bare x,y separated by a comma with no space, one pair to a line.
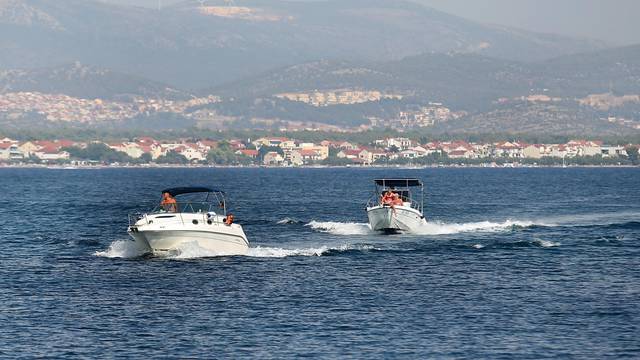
396,219
167,236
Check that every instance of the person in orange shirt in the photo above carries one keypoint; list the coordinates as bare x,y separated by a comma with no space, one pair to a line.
387,198
169,203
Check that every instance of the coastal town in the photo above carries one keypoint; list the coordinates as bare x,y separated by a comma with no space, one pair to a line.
64,108
287,152
61,109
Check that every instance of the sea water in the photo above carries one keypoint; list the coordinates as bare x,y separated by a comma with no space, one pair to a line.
513,263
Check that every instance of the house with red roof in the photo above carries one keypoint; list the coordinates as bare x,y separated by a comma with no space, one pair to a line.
132,149
348,154
558,150
414,152
248,152
206,145
146,140
331,144
191,152
461,154
310,155
509,149
321,150
377,154
272,158
51,153
585,147
65,143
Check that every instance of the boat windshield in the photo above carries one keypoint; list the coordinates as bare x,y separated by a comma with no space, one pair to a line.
386,189
196,202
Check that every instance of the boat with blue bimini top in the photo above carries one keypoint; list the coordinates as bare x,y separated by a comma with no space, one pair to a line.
393,208
189,215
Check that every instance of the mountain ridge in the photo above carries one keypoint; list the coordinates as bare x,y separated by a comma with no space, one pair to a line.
86,82
186,46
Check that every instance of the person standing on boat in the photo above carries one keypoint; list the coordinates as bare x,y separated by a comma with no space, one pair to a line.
169,203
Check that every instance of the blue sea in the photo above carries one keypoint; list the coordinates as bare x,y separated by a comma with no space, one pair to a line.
514,264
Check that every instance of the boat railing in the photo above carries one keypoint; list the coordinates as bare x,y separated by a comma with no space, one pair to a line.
188,207
376,200
206,208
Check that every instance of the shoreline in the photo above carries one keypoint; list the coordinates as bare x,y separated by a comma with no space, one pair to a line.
399,167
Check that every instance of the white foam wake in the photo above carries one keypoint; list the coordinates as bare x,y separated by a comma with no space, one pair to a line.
440,228
124,249
287,221
273,252
191,250
428,228
545,243
339,228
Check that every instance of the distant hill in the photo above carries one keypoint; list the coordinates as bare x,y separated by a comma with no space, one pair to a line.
466,81
616,69
190,46
460,80
87,82
260,55
492,91
565,118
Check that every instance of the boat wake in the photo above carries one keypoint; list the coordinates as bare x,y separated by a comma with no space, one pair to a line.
535,243
124,249
130,249
624,220
273,252
545,243
429,228
340,228
288,221
441,228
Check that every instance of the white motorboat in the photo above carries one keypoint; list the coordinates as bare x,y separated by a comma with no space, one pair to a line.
393,209
195,215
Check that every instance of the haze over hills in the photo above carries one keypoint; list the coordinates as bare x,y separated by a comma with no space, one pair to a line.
458,79
190,46
87,82
346,63
466,80
567,94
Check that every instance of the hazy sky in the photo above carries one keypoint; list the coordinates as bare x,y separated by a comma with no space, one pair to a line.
615,21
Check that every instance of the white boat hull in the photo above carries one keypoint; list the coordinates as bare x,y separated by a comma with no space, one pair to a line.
396,219
164,235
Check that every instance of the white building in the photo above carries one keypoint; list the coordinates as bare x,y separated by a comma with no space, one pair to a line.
10,151
272,158
613,151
